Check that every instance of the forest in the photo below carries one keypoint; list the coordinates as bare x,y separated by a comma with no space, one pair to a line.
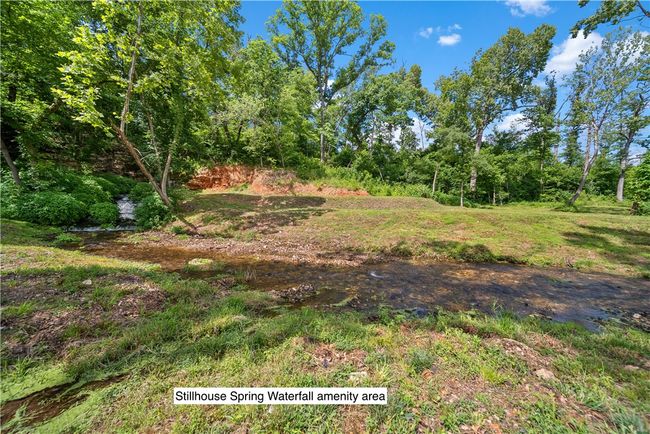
184,204
170,88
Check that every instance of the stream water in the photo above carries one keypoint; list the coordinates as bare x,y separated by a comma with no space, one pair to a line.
126,219
559,294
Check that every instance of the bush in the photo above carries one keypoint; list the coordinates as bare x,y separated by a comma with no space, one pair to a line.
50,208
104,213
90,192
151,213
140,191
123,185
106,185
640,208
9,192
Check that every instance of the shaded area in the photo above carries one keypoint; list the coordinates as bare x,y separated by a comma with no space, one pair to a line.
596,238
246,211
559,294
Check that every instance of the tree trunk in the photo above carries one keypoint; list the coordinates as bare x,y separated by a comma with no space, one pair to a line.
462,184
121,130
592,136
494,196
623,165
138,161
165,175
477,150
435,178
10,162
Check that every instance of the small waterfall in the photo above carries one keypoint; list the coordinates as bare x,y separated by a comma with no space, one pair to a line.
127,217
127,208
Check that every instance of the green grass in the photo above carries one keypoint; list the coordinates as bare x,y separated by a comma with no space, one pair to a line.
444,372
604,239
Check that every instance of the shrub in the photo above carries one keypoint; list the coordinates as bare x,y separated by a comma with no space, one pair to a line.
106,185
151,213
50,208
640,208
104,213
9,192
123,185
90,192
140,191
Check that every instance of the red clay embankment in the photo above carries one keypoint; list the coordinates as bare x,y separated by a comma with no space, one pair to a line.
262,181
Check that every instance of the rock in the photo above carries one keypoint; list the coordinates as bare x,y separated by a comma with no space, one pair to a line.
631,368
545,374
87,282
636,316
358,376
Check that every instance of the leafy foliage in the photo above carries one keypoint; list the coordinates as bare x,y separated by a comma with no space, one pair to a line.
151,213
50,208
105,213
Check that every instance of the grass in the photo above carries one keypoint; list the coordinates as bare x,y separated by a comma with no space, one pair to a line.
604,239
444,372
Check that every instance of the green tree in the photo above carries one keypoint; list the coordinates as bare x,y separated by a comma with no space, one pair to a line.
603,76
500,77
318,34
609,11
32,33
157,60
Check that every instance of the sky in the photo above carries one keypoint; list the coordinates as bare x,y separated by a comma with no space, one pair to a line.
443,35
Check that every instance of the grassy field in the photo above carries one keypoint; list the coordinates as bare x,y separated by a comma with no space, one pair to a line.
600,237
112,338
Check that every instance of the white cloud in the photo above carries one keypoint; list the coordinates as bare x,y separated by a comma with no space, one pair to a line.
521,8
449,40
426,33
564,57
513,121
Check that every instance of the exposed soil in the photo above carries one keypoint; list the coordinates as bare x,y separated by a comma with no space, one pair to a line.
262,181
59,312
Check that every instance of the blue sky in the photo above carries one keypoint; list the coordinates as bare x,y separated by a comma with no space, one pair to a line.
442,35
420,29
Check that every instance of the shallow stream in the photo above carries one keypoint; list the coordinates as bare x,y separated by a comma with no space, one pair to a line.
558,294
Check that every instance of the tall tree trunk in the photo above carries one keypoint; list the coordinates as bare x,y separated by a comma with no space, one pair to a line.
165,175
10,162
321,114
477,150
623,168
435,178
121,130
138,161
592,137
462,184
494,196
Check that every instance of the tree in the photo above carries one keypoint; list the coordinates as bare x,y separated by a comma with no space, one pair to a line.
604,76
630,117
32,34
609,11
157,60
317,34
500,77
540,122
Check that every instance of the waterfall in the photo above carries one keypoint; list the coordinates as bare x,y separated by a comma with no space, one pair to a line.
127,208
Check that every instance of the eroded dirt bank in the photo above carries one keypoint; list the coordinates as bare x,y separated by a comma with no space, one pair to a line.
559,294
